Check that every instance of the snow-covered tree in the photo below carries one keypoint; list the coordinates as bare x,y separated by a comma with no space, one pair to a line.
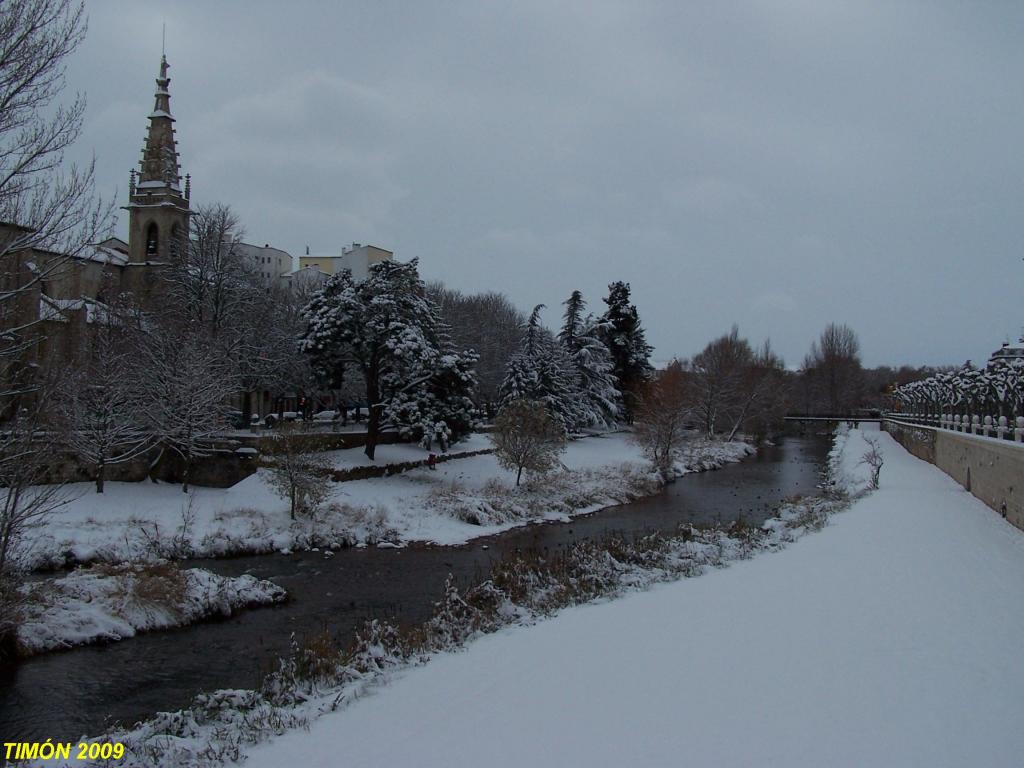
98,405
183,385
388,329
573,320
996,390
526,437
599,396
300,477
622,333
440,409
543,372
49,216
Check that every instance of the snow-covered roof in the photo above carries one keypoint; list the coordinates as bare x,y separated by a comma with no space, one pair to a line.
158,184
1009,352
104,255
56,309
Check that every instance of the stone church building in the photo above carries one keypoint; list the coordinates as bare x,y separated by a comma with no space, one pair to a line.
63,294
67,292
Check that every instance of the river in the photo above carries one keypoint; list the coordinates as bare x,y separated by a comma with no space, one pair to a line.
84,691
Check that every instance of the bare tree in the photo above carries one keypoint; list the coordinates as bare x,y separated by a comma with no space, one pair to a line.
762,394
664,409
49,213
487,323
49,216
27,498
183,387
97,403
718,377
527,437
301,478
834,370
212,280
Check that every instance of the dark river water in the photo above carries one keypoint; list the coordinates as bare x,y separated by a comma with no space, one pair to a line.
84,691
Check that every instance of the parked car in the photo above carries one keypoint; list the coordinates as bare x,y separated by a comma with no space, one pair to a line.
326,416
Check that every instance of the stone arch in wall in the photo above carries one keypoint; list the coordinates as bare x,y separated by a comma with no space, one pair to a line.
152,240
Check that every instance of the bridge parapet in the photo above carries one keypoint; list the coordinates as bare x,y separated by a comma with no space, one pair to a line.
987,425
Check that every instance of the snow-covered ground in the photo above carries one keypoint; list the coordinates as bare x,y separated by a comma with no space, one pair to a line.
457,501
892,637
107,603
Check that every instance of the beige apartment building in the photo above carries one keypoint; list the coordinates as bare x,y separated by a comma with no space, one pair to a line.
356,257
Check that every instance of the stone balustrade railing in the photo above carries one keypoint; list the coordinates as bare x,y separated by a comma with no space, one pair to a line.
972,424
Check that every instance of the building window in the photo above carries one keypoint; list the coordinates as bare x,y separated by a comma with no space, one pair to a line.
152,240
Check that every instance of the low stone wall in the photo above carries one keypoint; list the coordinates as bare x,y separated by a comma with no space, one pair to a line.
991,469
269,442
367,472
222,467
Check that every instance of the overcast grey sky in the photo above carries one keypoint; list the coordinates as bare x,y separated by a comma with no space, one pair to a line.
779,165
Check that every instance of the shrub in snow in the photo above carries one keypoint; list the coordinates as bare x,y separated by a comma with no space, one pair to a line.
874,460
302,479
526,437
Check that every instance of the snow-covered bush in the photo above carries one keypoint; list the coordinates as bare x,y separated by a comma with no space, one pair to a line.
527,437
300,478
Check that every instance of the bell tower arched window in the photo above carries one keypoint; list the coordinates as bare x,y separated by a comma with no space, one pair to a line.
152,241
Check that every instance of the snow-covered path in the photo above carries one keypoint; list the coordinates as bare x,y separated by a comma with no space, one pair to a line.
891,638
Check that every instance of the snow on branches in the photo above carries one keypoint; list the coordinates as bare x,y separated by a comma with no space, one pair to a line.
573,375
999,387
388,329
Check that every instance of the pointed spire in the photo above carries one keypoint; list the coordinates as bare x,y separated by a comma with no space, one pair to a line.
160,154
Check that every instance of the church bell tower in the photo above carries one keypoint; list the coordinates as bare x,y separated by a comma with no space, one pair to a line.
158,209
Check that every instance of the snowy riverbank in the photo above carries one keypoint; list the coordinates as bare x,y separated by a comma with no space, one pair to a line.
109,603
888,638
458,501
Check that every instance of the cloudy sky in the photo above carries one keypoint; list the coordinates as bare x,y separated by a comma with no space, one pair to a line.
779,165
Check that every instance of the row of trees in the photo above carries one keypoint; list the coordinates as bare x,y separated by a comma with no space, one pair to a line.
591,372
997,389
732,386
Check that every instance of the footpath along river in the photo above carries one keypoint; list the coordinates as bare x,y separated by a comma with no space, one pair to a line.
66,695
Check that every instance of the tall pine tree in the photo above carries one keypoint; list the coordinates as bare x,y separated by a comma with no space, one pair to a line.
622,333
599,395
543,372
